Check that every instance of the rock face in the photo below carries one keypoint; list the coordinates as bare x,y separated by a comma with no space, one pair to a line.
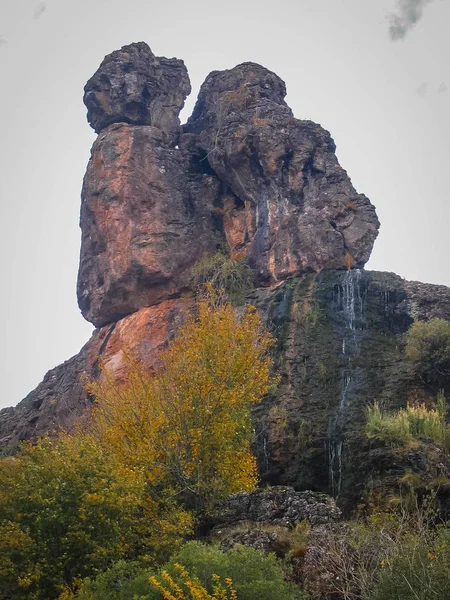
61,398
340,347
292,207
279,506
134,86
244,174
141,232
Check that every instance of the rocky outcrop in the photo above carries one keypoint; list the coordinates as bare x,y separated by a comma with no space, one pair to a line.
291,207
61,398
243,173
134,86
141,232
279,506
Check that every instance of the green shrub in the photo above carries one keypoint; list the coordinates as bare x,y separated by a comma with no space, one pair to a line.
428,348
123,581
255,575
222,272
416,571
415,421
392,429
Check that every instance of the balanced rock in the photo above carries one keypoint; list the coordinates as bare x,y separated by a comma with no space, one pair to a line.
141,233
291,208
134,86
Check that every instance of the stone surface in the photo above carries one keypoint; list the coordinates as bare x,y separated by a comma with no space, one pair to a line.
61,398
340,347
279,506
134,86
141,233
288,205
242,172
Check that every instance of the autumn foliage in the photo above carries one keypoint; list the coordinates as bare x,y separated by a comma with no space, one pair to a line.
189,425
159,449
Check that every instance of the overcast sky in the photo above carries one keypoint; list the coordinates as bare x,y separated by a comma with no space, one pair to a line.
375,73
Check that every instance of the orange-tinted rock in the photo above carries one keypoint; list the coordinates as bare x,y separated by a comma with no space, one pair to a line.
290,204
61,398
141,233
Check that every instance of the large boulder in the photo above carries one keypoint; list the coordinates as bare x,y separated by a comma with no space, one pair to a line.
141,233
288,205
134,86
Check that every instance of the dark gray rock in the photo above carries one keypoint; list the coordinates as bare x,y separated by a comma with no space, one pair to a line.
279,506
289,205
134,86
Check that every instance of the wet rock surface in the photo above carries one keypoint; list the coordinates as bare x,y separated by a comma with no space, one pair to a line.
340,347
292,207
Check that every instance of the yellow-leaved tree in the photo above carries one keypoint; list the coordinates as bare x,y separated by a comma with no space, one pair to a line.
189,425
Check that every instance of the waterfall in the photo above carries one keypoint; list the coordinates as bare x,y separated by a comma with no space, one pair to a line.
349,301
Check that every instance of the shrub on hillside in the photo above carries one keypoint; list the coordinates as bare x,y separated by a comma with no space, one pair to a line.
414,421
188,426
428,348
233,276
254,575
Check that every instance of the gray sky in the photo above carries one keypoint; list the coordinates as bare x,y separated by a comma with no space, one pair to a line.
384,100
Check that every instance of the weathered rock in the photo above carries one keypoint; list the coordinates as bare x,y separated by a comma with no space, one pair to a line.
61,398
279,506
256,538
288,203
141,233
134,86
340,347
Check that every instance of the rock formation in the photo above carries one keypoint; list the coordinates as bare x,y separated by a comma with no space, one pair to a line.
245,174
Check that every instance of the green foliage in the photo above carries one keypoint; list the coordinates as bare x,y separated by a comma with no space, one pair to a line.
123,581
415,421
418,569
255,575
428,348
233,276
392,429
69,509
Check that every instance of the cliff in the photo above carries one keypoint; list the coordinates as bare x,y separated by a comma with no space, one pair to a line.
245,174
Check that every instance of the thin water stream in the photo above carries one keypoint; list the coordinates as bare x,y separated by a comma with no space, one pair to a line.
349,302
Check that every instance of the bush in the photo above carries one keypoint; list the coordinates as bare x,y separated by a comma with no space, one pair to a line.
222,272
123,581
189,425
416,571
428,348
392,429
415,421
188,587
67,510
254,575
